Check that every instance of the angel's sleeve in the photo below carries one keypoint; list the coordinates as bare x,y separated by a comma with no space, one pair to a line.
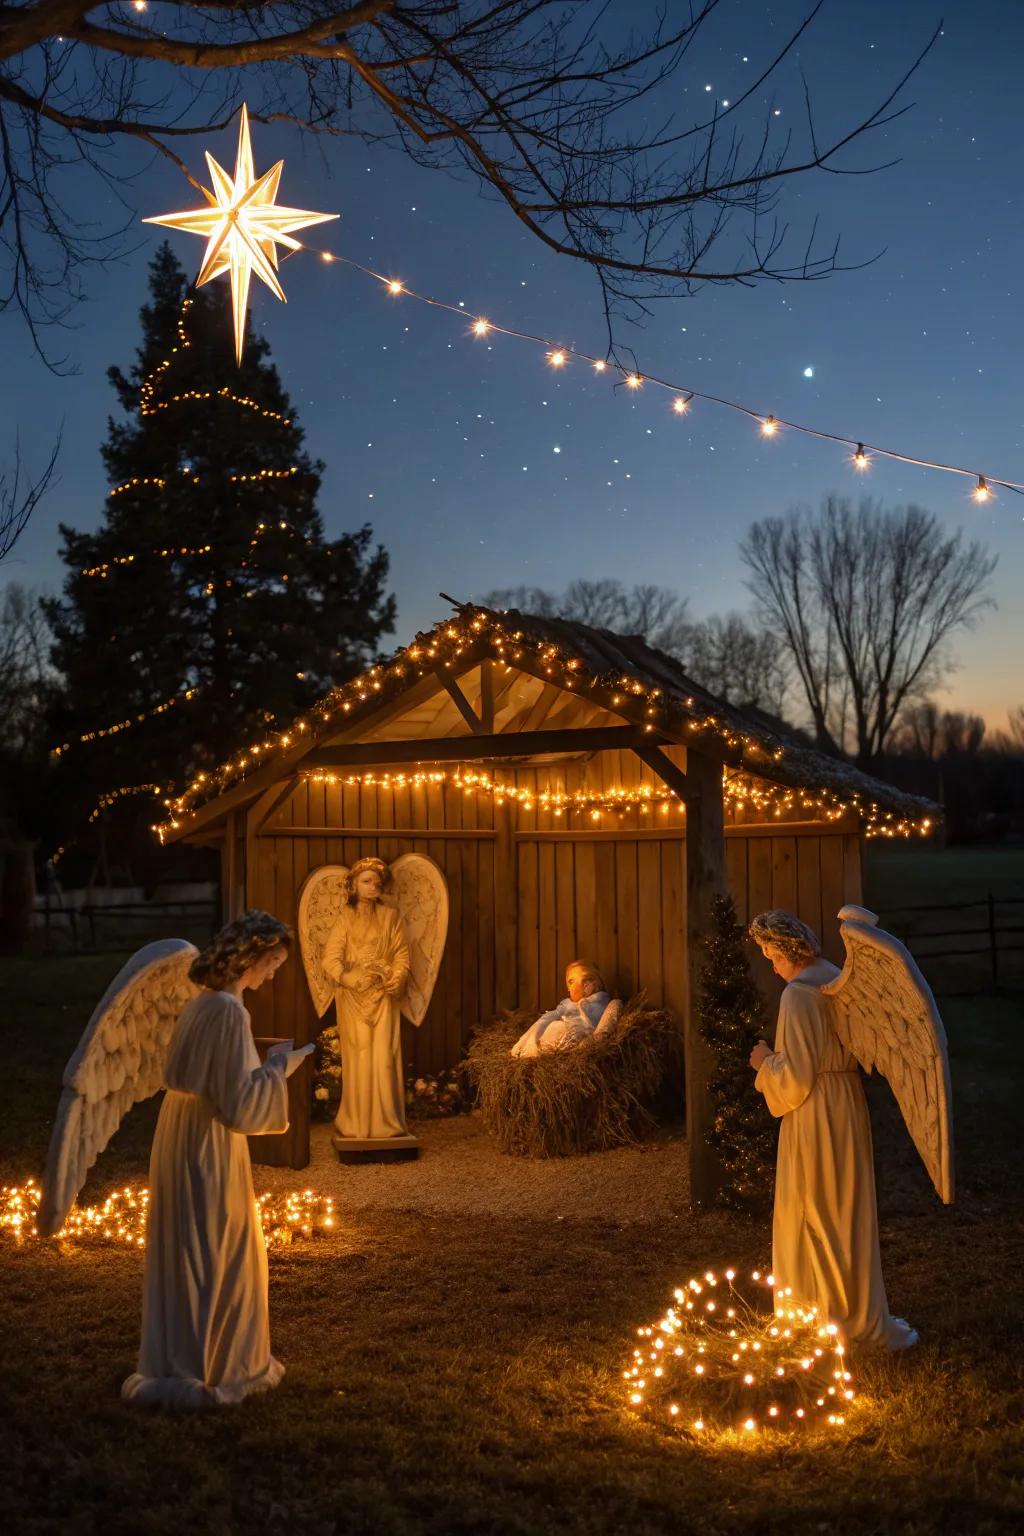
247,1098
334,954
787,1076
398,955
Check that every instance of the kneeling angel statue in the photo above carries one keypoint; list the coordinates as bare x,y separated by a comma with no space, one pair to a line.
878,1011
174,1018
587,1013
372,939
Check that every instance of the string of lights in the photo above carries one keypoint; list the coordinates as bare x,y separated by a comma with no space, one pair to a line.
487,634
102,732
735,1356
122,1217
682,395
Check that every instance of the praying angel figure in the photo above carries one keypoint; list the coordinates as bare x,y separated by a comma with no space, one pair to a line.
878,1011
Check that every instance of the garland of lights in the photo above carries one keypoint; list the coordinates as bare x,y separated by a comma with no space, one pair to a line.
770,426
125,725
734,1357
447,645
122,1217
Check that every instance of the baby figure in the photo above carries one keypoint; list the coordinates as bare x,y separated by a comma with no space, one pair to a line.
576,1016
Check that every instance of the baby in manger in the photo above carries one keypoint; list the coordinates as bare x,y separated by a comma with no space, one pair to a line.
586,1013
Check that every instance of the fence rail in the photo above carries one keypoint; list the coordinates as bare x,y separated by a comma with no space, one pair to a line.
991,931
104,927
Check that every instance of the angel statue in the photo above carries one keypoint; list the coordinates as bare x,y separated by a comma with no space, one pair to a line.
372,938
878,1011
174,1016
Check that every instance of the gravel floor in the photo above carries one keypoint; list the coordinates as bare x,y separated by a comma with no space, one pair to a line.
460,1171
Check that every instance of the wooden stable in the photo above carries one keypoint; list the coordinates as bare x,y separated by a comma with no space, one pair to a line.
533,886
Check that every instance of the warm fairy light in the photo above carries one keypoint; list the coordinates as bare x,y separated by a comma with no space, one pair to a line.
634,380
769,427
139,5
481,327
680,405
981,491
482,633
860,460
243,225
599,365
756,1361
557,358
121,1219
394,286
326,256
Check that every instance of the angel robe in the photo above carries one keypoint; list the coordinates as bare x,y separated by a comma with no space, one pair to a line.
369,1021
825,1229
205,1322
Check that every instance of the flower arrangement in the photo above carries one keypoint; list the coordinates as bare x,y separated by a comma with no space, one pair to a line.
430,1097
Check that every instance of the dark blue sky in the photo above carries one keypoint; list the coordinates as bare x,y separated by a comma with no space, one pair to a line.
479,467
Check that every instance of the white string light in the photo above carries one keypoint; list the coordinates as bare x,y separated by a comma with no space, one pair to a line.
560,356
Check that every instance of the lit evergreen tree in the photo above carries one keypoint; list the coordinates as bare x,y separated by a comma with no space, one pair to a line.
730,1017
209,587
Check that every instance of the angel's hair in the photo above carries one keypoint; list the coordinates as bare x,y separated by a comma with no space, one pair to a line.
359,868
589,970
236,947
787,932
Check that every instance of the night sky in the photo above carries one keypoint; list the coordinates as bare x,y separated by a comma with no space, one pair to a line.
479,467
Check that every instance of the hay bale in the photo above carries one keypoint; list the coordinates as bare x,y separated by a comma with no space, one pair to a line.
598,1094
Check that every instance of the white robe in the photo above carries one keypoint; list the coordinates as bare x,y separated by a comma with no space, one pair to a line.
825,1230
369,1021
205,1323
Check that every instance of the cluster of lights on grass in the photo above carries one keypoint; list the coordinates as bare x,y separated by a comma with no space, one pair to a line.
735,1356
121,1219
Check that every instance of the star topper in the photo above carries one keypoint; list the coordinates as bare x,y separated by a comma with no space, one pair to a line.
243,227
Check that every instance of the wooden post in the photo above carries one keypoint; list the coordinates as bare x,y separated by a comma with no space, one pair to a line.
700,788
705,879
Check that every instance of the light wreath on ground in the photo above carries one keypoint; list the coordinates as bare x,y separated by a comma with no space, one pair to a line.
121,1219
735,1356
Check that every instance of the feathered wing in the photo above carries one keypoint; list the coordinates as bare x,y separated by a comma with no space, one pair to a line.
321,902
118,1062
420,892
886,1015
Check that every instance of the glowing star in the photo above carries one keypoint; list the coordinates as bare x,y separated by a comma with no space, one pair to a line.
243,227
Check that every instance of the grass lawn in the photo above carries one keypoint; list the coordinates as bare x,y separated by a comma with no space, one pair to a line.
461,1374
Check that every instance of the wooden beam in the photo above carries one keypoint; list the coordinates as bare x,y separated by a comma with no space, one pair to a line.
455,749
457,834
460,701
487,696
666,770
283,793
705,879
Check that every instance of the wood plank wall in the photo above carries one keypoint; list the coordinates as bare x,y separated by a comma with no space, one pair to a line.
529,894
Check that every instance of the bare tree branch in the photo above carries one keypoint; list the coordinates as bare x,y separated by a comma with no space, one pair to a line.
18,498
530,96
866,602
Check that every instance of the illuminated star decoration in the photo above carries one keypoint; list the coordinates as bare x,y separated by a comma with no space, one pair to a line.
243,227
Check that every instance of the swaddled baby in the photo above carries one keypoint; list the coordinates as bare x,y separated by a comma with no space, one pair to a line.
575,1018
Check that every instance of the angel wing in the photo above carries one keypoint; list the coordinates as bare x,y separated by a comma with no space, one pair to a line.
885,1014
118,1062
321,902
420,892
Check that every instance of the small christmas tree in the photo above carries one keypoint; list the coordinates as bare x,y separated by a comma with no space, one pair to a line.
731,1019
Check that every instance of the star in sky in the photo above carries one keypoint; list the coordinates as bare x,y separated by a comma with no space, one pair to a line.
243,227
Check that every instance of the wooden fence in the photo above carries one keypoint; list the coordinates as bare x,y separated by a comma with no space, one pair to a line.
110,927
990,938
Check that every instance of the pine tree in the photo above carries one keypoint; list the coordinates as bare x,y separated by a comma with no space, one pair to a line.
730,1016
209,602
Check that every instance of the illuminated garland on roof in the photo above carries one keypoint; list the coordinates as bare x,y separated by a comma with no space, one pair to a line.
478,634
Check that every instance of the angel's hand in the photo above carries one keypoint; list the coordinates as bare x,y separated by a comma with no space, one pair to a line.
762,1050
358,979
